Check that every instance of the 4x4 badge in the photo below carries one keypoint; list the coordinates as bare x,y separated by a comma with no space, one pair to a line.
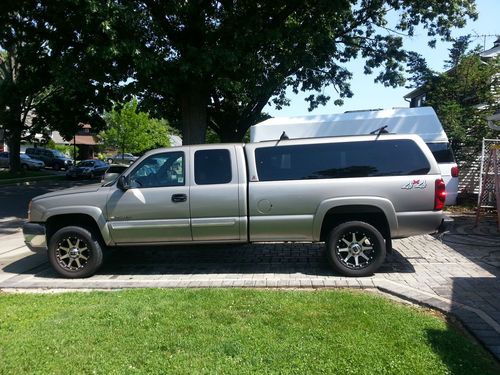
415,184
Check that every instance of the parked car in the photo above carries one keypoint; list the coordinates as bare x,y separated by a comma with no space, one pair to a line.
52,158
113,172
26,161
355,193
87,169
122,159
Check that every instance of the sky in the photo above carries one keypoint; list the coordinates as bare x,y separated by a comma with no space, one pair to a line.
369,95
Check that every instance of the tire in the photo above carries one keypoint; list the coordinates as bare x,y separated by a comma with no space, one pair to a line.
91,176
355,249
24,167
56,167
75,252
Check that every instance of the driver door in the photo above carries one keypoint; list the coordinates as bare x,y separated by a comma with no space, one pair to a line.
155,209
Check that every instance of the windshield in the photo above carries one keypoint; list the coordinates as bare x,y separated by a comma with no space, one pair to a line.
24,156
59,154
85,164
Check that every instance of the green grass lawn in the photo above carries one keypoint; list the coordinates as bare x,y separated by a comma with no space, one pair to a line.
228,331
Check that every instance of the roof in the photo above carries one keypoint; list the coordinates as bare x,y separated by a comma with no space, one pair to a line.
87,140
421,120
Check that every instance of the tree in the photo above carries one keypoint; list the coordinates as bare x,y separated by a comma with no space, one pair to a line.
463,97
58,66
133,131
220,62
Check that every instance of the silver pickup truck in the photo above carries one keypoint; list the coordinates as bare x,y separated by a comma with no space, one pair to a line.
354,193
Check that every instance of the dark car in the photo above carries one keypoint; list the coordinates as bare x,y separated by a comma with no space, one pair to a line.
87,169
52,158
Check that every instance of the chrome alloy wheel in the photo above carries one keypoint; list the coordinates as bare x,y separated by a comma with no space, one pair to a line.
72,253
355,249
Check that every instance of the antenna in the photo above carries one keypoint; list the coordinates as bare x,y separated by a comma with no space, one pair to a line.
380,130
484,36
282,137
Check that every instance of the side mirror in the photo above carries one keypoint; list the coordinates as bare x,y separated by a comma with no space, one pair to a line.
123,183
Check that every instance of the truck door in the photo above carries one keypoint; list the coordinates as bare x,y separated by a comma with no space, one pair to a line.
156,206
215,189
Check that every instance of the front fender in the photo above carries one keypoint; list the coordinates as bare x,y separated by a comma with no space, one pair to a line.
383,204
94,212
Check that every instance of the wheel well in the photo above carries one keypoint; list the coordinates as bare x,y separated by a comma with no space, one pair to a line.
57,222
369,214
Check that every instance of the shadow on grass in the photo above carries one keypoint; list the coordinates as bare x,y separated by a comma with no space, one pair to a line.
465,359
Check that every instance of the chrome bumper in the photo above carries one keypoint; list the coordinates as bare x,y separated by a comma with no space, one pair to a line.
34,237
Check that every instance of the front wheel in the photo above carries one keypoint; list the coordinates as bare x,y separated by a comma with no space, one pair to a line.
75,252
355,249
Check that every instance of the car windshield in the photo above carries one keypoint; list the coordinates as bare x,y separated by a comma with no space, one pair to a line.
59,154
24,156
85,163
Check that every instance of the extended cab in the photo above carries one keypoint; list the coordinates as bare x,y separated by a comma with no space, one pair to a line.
355,193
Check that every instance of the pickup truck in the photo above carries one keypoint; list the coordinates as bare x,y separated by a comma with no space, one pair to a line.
355,193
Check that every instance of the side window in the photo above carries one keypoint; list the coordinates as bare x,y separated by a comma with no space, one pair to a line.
159,170
341,160
212,167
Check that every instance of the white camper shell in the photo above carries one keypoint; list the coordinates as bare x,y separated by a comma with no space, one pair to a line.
422,121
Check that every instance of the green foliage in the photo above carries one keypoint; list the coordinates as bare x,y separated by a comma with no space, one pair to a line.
228,331
129,130
463,97
198,63
58,65
220,63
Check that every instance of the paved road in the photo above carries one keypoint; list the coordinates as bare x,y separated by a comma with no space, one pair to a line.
14,200
456,273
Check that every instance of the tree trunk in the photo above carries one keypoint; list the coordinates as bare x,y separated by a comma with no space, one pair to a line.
230,134
194,101
14,143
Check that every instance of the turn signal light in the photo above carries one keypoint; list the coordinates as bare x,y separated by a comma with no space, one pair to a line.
439,195
454,171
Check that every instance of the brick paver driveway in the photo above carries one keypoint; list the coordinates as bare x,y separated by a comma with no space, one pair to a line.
457,272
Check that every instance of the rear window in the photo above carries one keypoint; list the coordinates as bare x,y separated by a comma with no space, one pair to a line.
442,152
341,160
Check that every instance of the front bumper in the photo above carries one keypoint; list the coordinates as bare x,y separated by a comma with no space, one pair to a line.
34,237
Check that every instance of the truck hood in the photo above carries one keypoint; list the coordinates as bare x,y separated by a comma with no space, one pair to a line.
77,190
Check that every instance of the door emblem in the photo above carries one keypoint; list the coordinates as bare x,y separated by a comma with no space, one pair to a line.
415,184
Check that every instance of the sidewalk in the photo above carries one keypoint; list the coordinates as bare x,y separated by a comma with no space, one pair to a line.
458,273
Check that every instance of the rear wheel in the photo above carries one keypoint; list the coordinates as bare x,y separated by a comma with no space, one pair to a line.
356,249
75,252
24,166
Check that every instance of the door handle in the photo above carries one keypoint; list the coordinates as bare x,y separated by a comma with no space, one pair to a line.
176,198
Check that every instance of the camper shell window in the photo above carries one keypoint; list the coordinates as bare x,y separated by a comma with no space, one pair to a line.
341,160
